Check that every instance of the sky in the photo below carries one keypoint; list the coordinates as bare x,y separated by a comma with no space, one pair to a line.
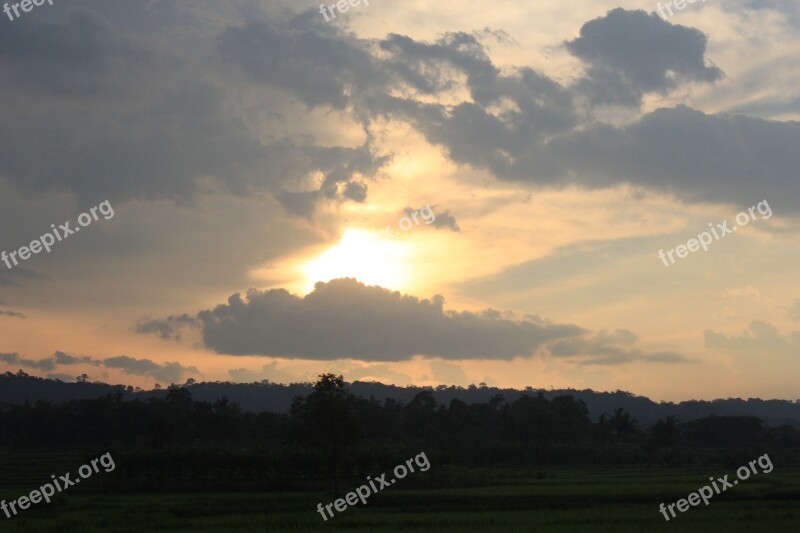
518,194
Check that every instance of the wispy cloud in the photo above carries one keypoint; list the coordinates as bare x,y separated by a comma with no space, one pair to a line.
168,372
760,338
610,348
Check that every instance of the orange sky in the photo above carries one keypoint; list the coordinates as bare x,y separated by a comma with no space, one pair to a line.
253,148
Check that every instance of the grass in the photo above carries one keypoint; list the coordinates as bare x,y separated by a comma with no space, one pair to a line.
619,500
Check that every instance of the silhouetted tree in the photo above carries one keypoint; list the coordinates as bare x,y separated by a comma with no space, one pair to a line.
622,425
323,418
665,433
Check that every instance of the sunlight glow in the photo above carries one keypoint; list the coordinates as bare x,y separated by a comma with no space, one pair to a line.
364,256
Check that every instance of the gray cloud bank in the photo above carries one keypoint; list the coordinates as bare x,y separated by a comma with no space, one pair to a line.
630,53
760,339
604,348
175,78
128,101
545,135
168,372
345,319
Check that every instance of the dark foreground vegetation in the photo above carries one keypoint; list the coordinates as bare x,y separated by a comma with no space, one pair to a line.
177,443
551,499
531,463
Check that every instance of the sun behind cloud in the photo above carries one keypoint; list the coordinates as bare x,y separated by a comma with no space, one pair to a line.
364,256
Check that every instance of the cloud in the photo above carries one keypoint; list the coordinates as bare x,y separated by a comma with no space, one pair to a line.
325,66
343,170
761,338
446,220
171,372
243,375
573,261
699,157
270,372
610,348
440,219
347,319
540,137
794,311
63,377
382,372
15,359
181,138
11,277
12,314
62,358
82,67
630,53
168,328
448,373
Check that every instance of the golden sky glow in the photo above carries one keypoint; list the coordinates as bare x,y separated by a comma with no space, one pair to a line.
365,256
264,154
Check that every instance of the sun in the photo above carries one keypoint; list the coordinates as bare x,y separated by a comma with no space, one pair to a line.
365,256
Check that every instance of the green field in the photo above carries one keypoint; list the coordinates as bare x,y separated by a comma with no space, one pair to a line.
616,500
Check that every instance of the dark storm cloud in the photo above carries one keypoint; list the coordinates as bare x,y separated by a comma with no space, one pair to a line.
346,319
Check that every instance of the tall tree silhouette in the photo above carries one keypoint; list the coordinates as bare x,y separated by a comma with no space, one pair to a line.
324,419
665,433
622,424
419,417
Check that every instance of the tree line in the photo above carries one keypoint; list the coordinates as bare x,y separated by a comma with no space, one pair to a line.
330,435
